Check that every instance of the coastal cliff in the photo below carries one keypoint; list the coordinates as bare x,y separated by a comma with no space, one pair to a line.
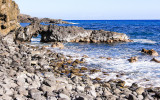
8,16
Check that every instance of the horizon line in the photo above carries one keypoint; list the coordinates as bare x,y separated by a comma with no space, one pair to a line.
110,19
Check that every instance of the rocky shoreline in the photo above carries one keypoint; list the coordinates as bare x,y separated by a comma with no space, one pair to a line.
29,72
36,73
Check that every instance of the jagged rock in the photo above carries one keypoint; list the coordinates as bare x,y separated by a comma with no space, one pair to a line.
23,18
78,34
64,34
54,33
133,59
57,44
150,52
155,60
8,16
26,33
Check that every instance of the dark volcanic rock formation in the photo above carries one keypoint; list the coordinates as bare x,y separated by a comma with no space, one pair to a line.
8,16
150,52
54,33
26,33
23,18
79,34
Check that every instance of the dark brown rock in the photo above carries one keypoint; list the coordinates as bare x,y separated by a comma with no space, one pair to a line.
155,60
150,52
133,59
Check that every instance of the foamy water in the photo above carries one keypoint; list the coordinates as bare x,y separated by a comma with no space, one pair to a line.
145,34
144,41
144,72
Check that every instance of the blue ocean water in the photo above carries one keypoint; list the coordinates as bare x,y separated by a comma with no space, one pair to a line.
144,33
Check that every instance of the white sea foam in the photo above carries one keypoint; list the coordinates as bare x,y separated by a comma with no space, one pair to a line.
144,41
73,23
144,72
35,40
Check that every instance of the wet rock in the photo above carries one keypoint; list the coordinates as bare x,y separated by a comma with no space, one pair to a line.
155,60
57,44
109,58
98,79
82,60
85,56
133,59
75,70
83,69
150,52
121,83
134,87
95,70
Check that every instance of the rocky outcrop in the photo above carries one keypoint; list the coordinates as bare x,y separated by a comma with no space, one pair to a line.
65,34
78,34
23,18
54,33
8,16
25,34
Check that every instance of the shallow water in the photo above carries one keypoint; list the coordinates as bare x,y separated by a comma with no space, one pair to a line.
145,35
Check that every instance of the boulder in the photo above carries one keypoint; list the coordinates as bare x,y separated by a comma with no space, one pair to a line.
57,44
8,16
150,52
133,59
155,60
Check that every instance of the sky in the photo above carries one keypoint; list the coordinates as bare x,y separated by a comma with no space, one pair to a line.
91,9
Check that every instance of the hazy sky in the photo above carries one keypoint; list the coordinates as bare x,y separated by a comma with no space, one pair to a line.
91,9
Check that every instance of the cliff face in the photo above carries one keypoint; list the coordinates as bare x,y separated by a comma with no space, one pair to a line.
8,16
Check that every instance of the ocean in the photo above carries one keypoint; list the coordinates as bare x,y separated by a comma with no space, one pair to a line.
144,33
